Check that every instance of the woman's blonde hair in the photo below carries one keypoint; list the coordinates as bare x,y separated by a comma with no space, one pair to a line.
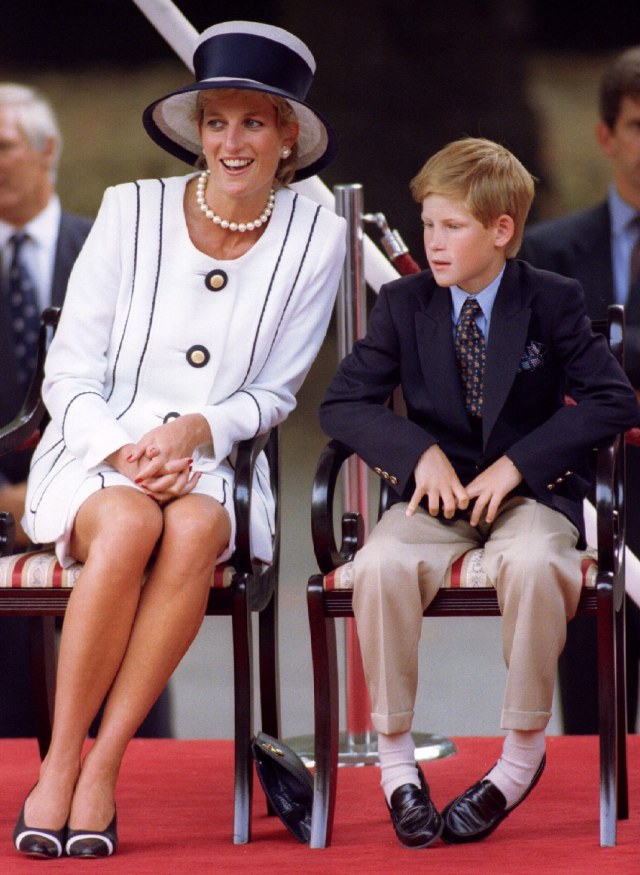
285,115
486,177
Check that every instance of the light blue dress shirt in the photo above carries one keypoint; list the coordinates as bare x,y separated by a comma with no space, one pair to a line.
623,237
485,298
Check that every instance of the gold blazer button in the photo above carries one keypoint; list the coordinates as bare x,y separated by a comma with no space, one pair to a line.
216,280
198,356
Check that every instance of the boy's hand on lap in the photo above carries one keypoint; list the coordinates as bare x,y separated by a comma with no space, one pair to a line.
436,479
490,487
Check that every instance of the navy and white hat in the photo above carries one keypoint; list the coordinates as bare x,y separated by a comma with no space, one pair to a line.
250,56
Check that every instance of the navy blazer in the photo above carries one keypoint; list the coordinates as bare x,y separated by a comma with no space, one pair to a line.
579,246
540,346
72,234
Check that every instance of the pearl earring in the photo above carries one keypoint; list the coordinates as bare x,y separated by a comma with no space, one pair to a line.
285,152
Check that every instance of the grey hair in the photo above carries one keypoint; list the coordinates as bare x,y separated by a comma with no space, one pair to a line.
35,118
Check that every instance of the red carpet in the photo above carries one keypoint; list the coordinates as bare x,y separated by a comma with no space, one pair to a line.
175,811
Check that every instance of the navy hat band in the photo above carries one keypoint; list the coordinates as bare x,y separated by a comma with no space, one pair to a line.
248,56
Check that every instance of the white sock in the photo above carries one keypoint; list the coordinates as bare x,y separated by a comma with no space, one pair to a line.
522,753
397,755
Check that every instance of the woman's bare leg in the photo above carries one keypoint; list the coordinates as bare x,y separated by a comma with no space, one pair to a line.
115,532
172,605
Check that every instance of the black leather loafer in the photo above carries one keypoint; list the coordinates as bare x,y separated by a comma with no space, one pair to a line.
480,810
414,816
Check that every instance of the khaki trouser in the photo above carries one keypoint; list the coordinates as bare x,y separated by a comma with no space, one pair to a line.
529,555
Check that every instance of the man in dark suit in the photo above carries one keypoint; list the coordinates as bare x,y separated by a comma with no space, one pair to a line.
488,455
29,151
596,246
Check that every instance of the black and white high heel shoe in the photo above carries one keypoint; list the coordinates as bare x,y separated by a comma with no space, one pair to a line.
87,843
46,844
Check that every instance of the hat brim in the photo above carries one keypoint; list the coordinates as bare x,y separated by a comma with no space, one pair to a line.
170,122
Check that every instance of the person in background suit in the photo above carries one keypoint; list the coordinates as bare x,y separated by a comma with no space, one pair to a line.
596,246
488,455
30,144
29,152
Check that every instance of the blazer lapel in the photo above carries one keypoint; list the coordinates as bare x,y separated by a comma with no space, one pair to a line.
434,332
71,236
62,265
589,259
507,338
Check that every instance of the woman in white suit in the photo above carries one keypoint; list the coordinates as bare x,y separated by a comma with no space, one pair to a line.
192,316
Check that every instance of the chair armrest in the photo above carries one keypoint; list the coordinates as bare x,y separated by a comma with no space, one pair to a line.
19,432
615,331
248,452
609,500
610,478
327,554
7,533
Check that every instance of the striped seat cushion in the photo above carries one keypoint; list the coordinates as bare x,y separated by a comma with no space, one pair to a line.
465,573
41,570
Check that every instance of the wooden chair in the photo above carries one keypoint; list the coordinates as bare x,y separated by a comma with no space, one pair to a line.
467,592
34,585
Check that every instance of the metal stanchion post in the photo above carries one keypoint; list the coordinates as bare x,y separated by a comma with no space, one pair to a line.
357,744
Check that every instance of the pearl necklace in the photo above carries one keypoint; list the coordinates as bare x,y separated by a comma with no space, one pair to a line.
262,219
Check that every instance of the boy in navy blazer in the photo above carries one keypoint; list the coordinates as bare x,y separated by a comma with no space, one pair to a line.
485,348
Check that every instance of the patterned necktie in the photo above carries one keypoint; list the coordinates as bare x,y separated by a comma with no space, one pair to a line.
470,349
23,311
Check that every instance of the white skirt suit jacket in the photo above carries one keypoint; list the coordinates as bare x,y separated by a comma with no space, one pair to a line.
153,328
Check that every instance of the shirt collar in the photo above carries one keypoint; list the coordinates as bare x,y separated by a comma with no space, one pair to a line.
485,298
620,211
43,229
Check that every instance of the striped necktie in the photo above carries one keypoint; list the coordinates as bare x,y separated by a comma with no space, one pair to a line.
23,312
470,350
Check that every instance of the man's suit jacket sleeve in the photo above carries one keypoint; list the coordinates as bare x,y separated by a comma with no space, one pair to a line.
605,404
355,408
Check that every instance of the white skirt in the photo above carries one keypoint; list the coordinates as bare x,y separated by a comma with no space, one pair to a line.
58,485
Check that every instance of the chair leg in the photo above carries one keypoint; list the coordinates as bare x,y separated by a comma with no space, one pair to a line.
608,718
325,684
269,672
621,689
243,708
42,658
269,668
